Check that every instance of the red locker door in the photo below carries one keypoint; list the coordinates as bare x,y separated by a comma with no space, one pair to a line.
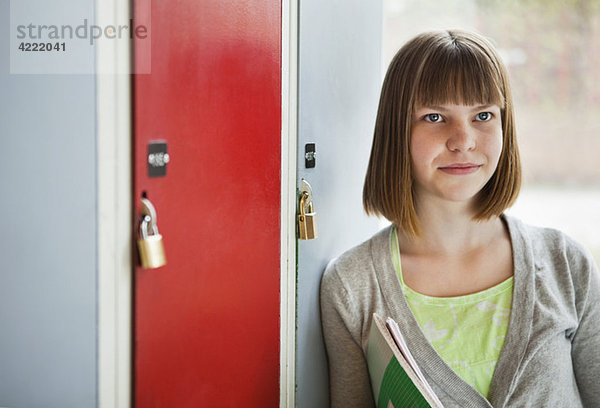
207,323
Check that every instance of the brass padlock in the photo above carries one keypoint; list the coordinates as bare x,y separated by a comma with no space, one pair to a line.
307,221
152,251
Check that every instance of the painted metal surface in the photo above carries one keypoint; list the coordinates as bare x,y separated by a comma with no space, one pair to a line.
207,323
49,225
339,80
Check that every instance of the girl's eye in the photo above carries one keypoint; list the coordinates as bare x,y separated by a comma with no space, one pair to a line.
433,117
483,116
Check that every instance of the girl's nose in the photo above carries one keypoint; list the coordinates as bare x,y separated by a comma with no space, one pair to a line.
461,139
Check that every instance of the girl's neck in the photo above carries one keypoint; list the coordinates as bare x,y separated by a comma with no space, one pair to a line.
450,230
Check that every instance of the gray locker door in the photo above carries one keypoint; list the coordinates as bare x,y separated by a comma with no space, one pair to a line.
48,221
339,82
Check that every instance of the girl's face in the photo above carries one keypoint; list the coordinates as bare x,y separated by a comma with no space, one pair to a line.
454,150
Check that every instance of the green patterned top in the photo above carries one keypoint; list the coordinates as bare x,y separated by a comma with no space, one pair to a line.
467,331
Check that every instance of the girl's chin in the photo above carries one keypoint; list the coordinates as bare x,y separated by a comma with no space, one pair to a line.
462,194
452,200
457,195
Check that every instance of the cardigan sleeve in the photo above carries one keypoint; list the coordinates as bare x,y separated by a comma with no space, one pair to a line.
348,374
585,351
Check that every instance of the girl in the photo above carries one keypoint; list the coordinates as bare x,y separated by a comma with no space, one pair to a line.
496,312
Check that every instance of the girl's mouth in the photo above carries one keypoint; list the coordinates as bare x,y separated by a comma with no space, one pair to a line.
460,168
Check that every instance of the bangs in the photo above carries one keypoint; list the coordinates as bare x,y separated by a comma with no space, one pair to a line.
457,74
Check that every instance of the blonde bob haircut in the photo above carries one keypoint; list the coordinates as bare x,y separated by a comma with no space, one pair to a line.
433,69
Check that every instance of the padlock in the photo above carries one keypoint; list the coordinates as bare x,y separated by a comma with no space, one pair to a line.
307,221
152,251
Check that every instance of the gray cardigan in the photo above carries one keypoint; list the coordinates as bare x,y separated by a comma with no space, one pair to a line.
551,355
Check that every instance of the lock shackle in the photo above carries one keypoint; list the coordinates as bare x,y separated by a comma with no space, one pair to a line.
303,198
145,225
147,208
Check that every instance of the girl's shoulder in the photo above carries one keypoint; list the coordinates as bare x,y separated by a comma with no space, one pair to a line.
546,240
552,251
356,267
361,255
